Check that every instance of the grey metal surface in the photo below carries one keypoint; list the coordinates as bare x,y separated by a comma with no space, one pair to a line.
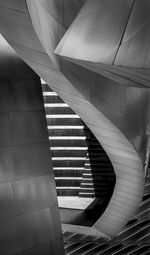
74,86
134,48
29,215
96,33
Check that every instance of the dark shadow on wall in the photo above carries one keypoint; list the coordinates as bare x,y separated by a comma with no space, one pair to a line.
103,175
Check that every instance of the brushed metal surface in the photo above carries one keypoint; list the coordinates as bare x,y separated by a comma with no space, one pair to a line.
32,160
5,134
33,229
75,89
7,169
42,249
135,118
7,237
17,5
27,97
96,33
29,215
70,9
28,127
34,193
134,49
6,201
5,97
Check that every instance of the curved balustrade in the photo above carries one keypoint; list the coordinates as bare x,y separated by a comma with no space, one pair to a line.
114,109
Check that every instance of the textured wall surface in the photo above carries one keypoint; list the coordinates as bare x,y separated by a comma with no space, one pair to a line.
29,216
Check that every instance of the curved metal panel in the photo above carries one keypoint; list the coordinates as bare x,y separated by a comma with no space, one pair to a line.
134,48
96,33
29,215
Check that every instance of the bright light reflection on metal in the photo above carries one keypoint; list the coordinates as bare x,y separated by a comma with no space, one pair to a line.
86,193
50,105
68,158
62,116
74,187
67,137
50,93
68,168
69,148
65,127
89,184
68,178
42,81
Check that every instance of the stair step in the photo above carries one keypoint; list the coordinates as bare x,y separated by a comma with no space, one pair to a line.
67,183
68,174
86,194
66,132
64,121
68,153
68,143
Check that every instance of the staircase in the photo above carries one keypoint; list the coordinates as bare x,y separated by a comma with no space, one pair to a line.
100,168
81,166
68,144
87,185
